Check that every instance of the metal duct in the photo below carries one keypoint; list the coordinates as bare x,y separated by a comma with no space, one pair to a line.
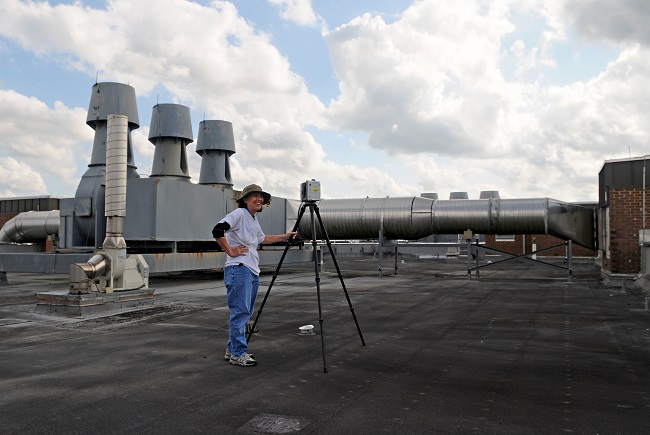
400,218
107,99
215,145
171,132
414,218
30,226
491,216
115,196
86,227
96,266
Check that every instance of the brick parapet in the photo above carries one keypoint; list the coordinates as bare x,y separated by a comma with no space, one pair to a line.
625,221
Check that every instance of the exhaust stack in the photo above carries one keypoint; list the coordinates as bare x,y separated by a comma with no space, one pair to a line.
215,145
109,269
171,132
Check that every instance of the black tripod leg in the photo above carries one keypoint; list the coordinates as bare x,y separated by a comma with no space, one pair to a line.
317,273
338,270
275,275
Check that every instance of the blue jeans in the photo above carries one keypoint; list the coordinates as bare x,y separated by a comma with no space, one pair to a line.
241,284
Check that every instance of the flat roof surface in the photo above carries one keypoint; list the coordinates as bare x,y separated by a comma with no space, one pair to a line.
520,350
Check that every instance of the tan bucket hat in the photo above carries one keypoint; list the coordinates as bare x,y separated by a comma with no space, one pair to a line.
253,188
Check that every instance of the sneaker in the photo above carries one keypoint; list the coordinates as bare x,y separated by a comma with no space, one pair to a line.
227,355
244,360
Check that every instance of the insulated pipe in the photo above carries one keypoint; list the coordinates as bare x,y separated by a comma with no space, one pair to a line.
115,196
30,226
114,246
414,218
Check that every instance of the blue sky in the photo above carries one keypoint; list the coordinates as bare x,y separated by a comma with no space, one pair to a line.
372,98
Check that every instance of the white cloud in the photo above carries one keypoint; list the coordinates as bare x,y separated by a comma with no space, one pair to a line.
39,140
429,82
298,11
19,179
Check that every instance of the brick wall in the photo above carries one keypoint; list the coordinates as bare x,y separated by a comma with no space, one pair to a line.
625,221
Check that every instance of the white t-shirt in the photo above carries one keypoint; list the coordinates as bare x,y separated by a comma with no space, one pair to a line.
244,230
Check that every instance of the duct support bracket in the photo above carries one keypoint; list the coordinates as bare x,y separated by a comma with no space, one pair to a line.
526,257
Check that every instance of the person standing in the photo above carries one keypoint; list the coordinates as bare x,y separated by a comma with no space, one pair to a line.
239,234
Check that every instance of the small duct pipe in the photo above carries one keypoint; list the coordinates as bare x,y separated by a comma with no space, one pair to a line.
215,145
413,218
96,266
115,196
30,226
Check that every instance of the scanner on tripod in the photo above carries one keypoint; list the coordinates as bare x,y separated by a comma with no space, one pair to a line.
309,195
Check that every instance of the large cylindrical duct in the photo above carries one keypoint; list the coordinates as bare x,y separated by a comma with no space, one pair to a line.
491,216
30,226
399,218
115,197
215,145
414,218
170,131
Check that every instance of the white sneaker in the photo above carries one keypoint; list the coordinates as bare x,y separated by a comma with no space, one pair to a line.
227,355
244,360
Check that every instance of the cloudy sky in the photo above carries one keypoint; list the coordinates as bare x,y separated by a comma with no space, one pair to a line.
370,97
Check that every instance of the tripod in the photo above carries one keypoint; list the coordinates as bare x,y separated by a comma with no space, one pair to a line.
313,209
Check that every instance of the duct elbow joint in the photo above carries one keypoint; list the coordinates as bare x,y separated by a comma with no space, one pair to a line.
79,280
98,265
82,273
